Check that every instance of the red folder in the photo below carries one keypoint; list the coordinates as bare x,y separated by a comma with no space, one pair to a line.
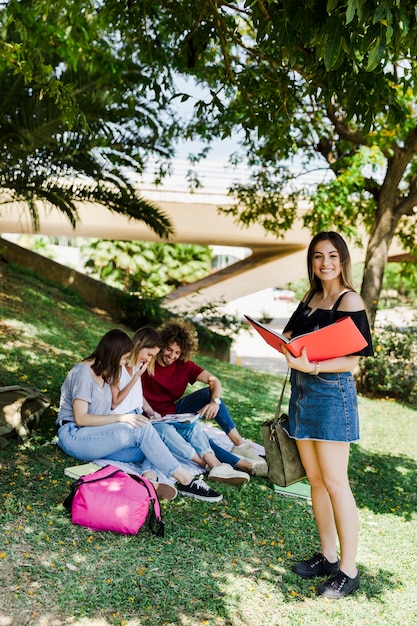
338,339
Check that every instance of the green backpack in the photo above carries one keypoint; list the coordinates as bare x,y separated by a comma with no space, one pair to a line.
20,411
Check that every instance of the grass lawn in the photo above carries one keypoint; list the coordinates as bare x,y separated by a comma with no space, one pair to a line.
227,564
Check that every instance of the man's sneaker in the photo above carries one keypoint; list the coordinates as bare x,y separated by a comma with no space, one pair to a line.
318,565
198,489
260,469
225,473
339,586
247,452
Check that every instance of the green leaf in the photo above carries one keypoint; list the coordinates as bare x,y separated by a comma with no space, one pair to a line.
380,12
376,54
351,10
331,5
333,42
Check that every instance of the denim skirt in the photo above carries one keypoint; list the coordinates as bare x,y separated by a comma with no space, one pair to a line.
323,407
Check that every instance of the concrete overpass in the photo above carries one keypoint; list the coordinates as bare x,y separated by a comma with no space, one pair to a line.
195,217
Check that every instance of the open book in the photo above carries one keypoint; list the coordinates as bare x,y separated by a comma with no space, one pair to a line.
338,339
180,418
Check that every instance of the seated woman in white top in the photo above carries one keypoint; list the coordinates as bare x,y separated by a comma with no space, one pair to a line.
185,441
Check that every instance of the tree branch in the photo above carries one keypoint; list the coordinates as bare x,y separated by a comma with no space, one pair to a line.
219,23
372,187
264,10
399,161
343,129
407,205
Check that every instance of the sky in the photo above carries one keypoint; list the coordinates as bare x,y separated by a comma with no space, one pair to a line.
215,172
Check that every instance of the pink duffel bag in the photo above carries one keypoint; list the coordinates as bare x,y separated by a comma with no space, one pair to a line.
111,499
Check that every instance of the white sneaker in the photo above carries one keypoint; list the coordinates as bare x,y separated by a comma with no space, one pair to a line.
260,469
247,452
225,473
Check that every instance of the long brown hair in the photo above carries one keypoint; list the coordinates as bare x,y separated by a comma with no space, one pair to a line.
106,357
344,255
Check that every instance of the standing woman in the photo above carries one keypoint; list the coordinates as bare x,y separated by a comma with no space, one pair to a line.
323,413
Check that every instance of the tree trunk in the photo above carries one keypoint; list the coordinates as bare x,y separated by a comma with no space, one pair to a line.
377,251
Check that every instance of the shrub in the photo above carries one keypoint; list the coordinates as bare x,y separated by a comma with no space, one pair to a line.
392,372
215,329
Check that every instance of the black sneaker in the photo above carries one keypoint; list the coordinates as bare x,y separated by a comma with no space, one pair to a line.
318,565
339,586
199,490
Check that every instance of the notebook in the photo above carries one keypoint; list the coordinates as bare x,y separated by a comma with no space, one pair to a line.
297,490
338,339
81,470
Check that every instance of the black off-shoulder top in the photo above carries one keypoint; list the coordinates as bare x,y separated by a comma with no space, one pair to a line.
302,322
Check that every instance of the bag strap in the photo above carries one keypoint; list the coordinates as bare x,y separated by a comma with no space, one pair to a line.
105,472
278,413
156,525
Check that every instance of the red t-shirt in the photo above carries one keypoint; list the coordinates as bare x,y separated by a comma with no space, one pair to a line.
168,384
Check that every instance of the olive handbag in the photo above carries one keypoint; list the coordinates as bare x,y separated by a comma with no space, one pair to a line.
284,463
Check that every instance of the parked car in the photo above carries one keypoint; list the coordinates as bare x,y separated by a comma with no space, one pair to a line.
283,294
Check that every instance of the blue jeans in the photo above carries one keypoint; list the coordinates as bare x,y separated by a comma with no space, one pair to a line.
192,403
184,440
118,442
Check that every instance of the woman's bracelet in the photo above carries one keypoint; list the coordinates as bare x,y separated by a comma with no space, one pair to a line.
316,369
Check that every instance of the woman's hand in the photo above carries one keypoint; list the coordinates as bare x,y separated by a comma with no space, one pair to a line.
134,419
140,371
155,417
301,363
143,367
